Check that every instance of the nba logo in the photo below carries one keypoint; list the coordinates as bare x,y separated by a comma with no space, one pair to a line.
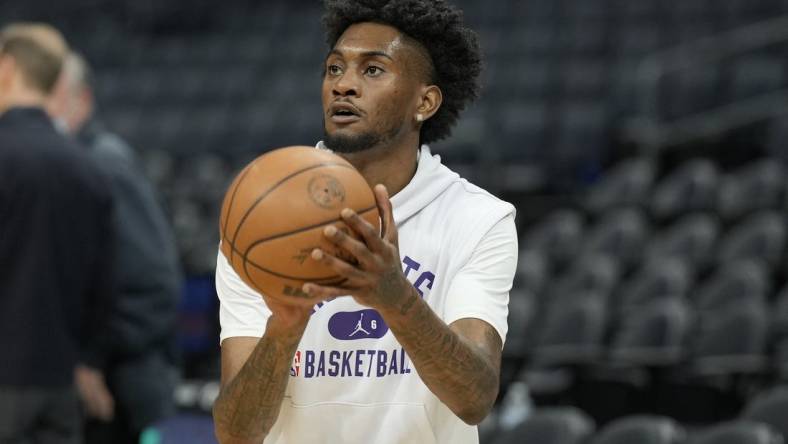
295,370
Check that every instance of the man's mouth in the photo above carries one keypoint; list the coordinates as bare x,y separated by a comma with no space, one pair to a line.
344,113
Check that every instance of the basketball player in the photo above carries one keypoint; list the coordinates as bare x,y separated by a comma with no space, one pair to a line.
433,286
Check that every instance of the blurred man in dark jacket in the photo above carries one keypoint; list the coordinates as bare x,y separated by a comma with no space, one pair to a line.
55,253
140,370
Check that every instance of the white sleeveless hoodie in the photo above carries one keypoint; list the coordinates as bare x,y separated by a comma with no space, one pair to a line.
351,381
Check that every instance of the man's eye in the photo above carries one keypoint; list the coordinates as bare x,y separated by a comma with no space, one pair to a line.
374,70
334,70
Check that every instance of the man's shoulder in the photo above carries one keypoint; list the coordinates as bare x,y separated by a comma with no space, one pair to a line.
465,196
46,150
464,212
110,146
119,161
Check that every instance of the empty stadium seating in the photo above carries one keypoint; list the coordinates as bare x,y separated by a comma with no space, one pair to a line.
696,307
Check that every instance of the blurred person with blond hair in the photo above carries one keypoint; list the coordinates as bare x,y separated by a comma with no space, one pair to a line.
140,367
56,246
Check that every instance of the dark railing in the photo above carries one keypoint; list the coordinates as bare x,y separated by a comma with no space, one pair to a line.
651,133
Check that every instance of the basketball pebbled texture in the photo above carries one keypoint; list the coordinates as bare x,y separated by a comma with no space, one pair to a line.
274,213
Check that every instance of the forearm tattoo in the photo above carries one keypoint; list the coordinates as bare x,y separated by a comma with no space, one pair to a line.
249,405
461,374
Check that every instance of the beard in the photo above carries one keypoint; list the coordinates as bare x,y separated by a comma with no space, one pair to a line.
355,143
347,144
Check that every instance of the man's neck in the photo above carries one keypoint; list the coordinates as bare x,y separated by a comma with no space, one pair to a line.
22,98
392,166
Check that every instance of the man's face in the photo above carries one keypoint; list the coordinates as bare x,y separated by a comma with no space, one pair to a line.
70,104
370,88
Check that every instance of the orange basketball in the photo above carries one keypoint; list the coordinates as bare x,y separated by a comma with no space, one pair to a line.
274,214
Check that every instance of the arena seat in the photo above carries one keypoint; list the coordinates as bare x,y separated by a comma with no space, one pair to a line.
690,187
597,272
667,278
769,407
733,321
691,238
557,235
738,281
572,332
559,425
779,333
732,340
761,236
627,184
620,234
738,432
533,270
653,334
641,430
757,186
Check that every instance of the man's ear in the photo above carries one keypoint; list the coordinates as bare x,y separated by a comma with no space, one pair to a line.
430,101
7,72
85,106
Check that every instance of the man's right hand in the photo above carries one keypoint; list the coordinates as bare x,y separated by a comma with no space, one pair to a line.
287,319
94,393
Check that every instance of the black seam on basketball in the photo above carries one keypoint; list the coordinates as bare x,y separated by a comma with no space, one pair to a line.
300,230
319,280
223,223
275,186
278,236
327,284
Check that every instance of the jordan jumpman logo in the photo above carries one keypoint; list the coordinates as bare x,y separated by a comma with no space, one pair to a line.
358,327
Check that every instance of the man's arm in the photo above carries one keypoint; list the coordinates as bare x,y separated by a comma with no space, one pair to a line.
460,363
255,372
101,299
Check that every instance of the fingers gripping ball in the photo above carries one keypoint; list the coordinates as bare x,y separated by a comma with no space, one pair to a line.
274,214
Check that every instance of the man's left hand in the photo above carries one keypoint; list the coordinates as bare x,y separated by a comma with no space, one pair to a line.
377,279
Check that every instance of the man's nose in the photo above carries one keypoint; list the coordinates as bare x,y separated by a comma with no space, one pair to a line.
346,85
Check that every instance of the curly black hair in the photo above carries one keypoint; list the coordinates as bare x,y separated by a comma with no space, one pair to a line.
436,25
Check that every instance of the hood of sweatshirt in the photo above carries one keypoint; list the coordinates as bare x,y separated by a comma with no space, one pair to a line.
431,179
